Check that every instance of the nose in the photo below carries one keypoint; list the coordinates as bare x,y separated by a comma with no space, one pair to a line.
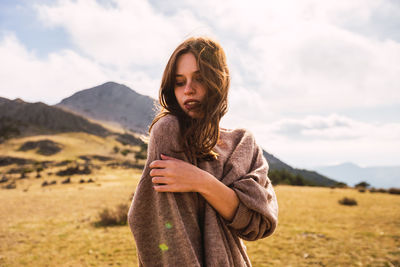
189,89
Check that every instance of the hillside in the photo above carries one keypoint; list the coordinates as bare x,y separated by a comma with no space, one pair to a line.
117,103
311,176
20,119
113,102
94,111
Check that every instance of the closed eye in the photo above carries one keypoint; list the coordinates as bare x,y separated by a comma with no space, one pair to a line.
199,79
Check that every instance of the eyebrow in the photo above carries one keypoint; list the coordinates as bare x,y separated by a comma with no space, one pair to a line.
181,75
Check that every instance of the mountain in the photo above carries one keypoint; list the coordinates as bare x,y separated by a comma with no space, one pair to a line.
109,102
117,103
113,102
381,177
312,176
19,118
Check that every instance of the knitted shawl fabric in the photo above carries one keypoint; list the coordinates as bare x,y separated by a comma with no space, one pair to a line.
182,229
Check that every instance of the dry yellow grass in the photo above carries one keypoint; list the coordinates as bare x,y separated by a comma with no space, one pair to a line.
54,225
314,229
74,144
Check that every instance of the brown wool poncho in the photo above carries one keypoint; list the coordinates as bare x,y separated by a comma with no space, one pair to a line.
182,229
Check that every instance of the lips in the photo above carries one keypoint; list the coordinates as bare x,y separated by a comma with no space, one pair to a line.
191,104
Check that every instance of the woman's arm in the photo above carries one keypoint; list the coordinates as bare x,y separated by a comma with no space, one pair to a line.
164,227
174,175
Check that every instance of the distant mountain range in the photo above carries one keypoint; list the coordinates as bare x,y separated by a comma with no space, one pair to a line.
351,174
109,102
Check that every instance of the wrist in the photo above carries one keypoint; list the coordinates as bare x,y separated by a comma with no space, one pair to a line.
205,183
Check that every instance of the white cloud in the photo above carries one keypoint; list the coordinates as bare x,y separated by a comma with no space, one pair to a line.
290,56
334,127
315,140
124,34
57,76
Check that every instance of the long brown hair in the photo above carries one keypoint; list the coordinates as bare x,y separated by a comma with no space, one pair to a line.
199,135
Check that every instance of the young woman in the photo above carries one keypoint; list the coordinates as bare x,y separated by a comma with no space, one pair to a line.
204,188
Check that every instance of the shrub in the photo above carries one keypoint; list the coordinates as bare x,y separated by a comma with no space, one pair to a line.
348,201
140,155
126,152
394,191
4,179
361,190
118,216
11,185
362,184
66,181
376,190
74,170
341,185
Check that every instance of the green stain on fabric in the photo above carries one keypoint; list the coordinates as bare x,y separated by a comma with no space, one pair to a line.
163,247
168,225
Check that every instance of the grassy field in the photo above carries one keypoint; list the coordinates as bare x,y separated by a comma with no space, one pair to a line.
54,226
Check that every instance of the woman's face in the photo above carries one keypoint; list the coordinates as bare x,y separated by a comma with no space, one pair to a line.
189,88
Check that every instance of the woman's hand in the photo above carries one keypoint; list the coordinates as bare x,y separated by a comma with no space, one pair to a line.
174,175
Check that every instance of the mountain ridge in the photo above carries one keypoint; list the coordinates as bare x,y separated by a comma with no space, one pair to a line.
119,95
113,102
20,119
376,176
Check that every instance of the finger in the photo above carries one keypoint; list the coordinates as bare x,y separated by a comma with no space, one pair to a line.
157,164
158,172
164,188
167,157
160,180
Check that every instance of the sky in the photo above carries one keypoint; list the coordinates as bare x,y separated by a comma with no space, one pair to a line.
316,82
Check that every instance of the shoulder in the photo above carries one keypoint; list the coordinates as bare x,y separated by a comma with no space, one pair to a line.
237,142
238,134
166,125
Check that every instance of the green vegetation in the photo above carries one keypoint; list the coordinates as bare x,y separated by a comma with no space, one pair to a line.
285,177
362,184
142,154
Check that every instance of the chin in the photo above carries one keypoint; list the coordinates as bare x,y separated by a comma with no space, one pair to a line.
196,116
